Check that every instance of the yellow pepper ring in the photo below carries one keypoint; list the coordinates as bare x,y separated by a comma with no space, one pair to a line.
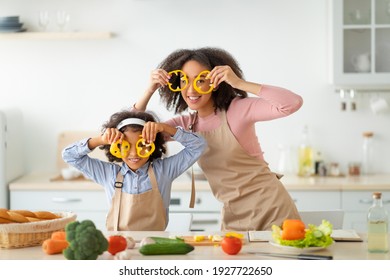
199,90
125,148
182,78
119,149
144,149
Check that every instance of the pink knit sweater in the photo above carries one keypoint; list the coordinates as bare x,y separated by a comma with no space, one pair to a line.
271,103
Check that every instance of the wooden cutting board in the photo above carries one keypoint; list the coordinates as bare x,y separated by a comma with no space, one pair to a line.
205,242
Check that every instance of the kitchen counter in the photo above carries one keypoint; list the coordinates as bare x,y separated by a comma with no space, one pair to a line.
339,251
343,183
52,181
42,181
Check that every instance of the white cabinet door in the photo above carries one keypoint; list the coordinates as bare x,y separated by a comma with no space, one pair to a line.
356,205
316,200
361,44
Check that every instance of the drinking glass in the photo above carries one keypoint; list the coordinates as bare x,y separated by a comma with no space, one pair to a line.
62,19
44,20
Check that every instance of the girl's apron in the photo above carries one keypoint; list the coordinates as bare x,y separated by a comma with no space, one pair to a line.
253,197
136,212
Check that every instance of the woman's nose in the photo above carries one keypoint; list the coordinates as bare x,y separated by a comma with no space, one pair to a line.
190,87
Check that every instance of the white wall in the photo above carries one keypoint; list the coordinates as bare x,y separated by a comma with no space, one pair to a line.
77,85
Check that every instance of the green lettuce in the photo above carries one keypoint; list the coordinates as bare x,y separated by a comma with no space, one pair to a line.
315,236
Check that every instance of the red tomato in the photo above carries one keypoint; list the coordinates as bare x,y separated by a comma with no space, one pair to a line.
231,245
116,243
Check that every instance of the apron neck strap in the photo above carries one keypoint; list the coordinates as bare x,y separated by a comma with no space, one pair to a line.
152,177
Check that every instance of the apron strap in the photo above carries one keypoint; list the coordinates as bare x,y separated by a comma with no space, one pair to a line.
117,198
192,199
152,177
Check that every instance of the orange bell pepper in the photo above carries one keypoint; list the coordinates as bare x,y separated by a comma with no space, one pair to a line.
293,230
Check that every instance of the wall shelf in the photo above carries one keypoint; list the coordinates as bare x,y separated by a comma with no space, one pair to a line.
56,35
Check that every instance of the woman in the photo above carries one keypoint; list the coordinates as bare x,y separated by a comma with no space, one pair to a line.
210,82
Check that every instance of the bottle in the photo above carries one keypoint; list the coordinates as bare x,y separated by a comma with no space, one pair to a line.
377,222
305,155
367,152
318,163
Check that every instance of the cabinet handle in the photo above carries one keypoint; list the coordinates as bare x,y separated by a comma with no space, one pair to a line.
365,201
205,222
369,201
65,200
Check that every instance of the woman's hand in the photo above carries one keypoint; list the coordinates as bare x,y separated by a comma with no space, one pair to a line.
158,78
224,74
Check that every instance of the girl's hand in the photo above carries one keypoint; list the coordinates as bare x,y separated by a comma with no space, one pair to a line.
158,78
111,135
223,74
152,128
150,131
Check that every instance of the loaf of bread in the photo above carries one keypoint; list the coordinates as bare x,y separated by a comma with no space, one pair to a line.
24,216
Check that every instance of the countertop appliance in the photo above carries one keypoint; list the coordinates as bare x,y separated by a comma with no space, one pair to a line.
11,150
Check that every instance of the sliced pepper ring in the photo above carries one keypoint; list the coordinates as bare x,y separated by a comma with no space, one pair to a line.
183,77
144,149
201,78
119,149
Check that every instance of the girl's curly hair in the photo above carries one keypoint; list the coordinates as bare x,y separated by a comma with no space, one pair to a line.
116,118
209,57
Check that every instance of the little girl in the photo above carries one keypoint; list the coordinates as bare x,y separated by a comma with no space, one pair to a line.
135,139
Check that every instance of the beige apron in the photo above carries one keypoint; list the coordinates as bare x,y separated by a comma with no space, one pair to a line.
136,212
253,196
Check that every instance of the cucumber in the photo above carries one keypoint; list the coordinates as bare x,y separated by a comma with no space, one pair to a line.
160,240
178,248
165,240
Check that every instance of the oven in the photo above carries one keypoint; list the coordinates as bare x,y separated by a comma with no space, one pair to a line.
206,214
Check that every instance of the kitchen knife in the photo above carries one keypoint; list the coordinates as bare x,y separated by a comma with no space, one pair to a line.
291,256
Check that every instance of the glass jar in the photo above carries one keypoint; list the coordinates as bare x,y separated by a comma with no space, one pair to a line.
334,169
367,153
354,169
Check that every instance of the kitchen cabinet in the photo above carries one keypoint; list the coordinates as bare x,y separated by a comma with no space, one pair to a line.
90,205
56,36
316,200
361,44
356,205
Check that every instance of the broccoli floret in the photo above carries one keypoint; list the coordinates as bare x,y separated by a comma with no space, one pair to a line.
86,242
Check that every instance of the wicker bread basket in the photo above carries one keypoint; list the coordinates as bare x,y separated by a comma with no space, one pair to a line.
18,235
